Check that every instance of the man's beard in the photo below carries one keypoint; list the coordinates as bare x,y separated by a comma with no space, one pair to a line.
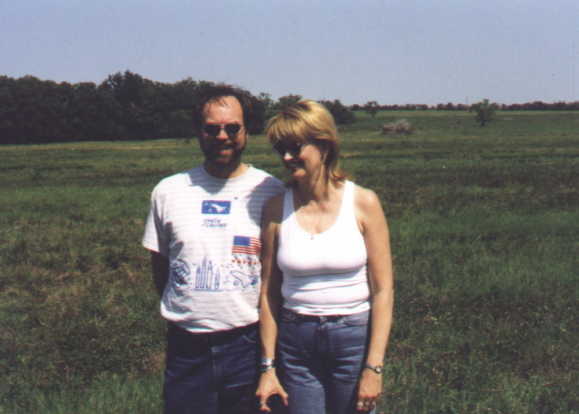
212,153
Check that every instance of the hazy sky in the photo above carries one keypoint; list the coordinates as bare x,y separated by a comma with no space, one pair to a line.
391,51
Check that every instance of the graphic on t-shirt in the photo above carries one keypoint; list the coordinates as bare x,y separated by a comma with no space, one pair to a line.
243,281
179,271
246,245
245,262
211,277
214,223
207,276
215,207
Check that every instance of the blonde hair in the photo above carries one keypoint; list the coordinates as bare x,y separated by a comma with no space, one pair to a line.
309,121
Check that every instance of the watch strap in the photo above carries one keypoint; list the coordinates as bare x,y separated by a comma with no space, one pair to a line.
378,369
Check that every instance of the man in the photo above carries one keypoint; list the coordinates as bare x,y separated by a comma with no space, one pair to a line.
203,233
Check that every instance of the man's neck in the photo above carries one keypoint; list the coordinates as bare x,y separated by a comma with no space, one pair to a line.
225,172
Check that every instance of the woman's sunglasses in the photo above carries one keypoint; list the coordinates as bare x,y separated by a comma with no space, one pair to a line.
213,130
293,148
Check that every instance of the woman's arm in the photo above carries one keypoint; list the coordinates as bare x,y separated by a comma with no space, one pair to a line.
270,300
376,236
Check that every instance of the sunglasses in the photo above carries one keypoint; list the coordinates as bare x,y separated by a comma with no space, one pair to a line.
292,148
213,130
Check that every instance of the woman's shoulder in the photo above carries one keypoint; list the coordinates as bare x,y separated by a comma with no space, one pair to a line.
369,212
364,197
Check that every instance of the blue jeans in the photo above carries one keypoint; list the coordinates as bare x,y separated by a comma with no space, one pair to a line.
322,359
213,373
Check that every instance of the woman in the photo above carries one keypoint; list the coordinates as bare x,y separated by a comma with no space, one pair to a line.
327,283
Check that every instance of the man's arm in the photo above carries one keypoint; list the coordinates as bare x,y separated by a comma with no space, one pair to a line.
160,268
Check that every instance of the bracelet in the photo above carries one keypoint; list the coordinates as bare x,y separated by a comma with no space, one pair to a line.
266,364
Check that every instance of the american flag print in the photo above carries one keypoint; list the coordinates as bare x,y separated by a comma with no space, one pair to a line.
246,245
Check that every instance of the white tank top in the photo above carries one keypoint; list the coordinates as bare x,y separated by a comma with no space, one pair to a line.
324,273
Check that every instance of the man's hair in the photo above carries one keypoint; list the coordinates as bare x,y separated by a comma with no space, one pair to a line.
216,92
309,121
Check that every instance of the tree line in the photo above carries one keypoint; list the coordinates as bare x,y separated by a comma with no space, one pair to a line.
372,107
127,106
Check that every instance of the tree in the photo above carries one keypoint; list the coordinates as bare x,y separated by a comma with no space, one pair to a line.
268,104
286,101
341,113
372,108
484,111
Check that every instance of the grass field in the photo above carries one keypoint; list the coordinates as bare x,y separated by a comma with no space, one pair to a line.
485,237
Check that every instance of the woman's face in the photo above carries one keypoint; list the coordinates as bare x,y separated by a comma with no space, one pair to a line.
301,159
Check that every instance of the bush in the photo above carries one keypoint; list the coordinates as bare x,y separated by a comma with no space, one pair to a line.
371,108
341,113
401,126
484,111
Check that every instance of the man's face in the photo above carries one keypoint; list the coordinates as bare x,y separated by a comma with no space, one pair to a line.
221,146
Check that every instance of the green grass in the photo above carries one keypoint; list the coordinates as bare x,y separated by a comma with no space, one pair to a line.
110,394
484,225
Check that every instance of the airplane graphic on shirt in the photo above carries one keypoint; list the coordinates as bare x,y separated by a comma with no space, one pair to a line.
215,207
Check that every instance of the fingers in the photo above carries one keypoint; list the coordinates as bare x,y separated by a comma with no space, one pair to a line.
369,392
264,407
365,405
263,403
263,397
284,397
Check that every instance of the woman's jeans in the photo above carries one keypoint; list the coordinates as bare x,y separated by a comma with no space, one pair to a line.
322,358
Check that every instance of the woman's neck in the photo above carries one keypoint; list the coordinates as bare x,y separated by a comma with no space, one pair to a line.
318,191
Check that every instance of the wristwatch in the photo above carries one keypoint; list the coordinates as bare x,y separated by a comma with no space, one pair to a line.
378,369
266,364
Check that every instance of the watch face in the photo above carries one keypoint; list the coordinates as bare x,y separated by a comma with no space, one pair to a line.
377,369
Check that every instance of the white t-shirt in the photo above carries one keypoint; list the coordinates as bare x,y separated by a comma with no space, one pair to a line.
209,229
325,273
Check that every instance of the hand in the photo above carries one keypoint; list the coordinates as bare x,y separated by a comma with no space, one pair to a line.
268,386
369,390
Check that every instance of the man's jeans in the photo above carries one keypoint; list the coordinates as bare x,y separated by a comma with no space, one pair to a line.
322,359
212,373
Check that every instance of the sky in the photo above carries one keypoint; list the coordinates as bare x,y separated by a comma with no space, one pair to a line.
389,51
